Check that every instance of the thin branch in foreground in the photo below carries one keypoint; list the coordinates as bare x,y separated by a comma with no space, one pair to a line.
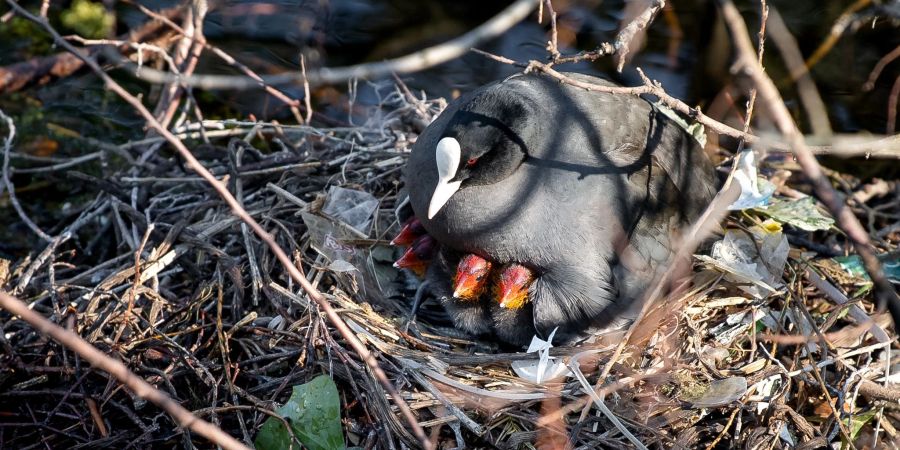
885,147
118,370
635,31
648,88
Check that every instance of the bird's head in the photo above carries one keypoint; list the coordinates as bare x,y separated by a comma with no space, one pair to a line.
482,144
418,255
472,275
512,286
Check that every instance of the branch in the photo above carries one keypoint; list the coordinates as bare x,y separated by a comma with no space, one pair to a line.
879,67
118,370
639,25
41,71
883,147
886,147
413,62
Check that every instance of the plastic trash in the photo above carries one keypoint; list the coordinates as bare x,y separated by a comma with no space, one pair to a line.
755,191
327,238
801,213
354,208
890,264
341,266
545,367
755,259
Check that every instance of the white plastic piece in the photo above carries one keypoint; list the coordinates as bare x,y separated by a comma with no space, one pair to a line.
545,367
757,259
354,208
746,175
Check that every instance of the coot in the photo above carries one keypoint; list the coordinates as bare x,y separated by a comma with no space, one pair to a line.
587,190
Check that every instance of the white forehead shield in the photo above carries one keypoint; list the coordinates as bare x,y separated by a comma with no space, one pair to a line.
446,155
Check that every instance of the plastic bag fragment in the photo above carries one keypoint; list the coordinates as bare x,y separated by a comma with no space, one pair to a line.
354,208
755,191
545,367
755,260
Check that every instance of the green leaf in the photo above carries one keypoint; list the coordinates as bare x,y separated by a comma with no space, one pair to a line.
313,411
858,421
801,213
696,129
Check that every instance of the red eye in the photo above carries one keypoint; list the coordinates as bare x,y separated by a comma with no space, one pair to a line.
471,162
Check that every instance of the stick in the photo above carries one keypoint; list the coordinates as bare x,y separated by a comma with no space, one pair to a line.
118,370
413,62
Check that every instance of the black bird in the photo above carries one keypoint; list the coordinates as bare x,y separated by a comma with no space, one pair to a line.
588,190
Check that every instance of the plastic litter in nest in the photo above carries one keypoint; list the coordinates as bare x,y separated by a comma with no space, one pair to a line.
757,258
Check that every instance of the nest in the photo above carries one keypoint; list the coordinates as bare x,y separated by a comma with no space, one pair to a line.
157,272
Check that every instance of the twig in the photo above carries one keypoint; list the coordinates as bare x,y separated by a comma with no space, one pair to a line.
237,153
888,147
725,429
748,117
187,55
307,99
586,386
553,44
874,390
832,405
453,409
118,370
39,261
414,62
879,67
839,298
760,51
651,88
834,35
133,292
648,88
63,165
626,37
892,107
7,181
